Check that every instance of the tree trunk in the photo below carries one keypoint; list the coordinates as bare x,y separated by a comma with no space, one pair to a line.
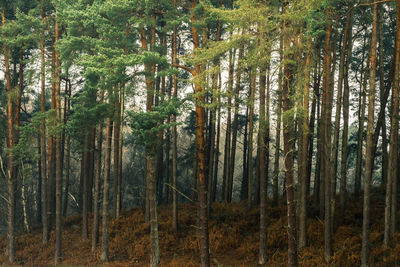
216,157
99,138
117,114
304,146
106,185
275,188
370,131
346,98
211,140
39,182
227,151
391,183
45,235
287,147
262,259
52,147
382,96
232,157
245,179
150,155
316,84
160,136
174,136
10,143
67,152
326,140
85,188
361,118
335,144
199,89
317,174
267,126
250,198
58,252
27,227
92,143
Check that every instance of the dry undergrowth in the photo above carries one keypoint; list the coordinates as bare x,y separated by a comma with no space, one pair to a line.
233,240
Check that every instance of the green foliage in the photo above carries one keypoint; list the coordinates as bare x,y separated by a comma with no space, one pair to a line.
146,125
86,113
23,152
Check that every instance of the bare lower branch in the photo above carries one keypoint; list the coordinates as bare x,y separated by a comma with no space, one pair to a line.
188,69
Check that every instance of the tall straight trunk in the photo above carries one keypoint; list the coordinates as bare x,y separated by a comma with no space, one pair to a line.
227,151
39,183
27,227
45,231
304,151
346,106
99,139
10,143
288,128
235,125
385,87
106,185
370,131
150,154
67,175
250,198
63,136
245,179
326,111
85,183
117,122
382,95
267,126
311,127
159,94
218,133
332,183
151,181
51,157
174,136
361,119
211,140
391,183
166,188
81,175
120,156
317,174
57,255
195,171
199,89
262,258
256,197
335,143
275,187
67,153
92,143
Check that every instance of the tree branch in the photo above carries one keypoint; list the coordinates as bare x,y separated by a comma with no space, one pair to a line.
373,3
179,192
188,69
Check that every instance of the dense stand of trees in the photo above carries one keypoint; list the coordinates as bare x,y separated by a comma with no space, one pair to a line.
119,103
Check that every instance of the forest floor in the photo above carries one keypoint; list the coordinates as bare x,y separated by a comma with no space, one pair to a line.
234,239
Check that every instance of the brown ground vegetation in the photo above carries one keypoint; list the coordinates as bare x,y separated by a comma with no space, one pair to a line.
234,234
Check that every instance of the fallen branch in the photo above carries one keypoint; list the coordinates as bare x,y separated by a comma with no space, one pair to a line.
180,193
